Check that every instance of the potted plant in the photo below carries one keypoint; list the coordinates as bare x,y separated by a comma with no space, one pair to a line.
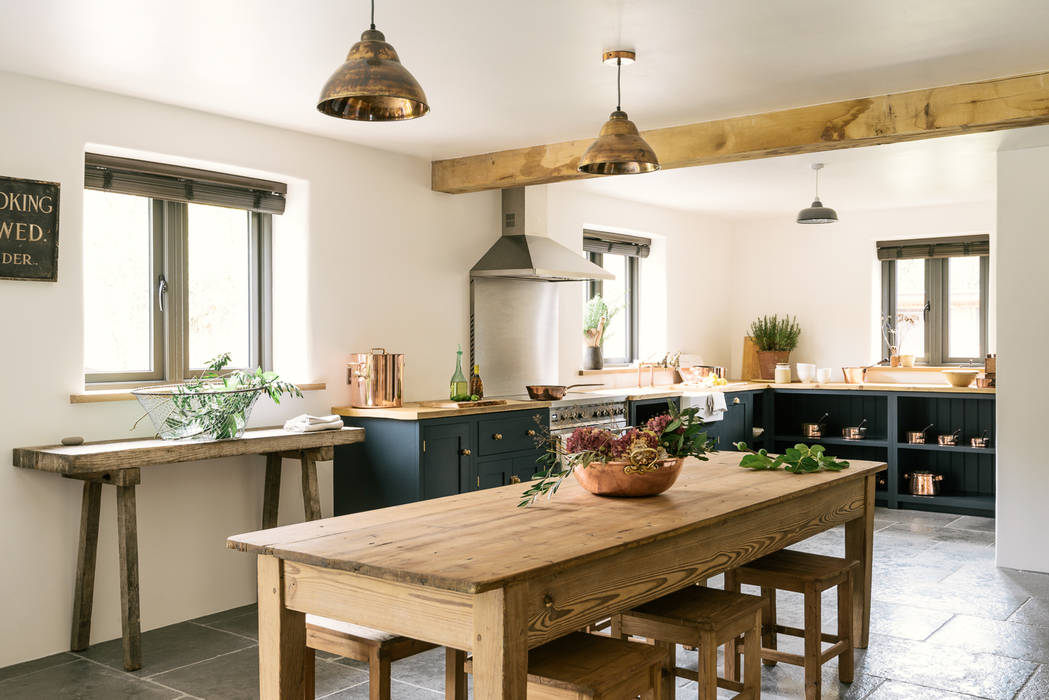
596,317
895,332
635,462
775,339
213,406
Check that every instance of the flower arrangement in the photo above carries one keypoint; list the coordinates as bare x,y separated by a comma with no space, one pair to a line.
596,317
895,330
669,436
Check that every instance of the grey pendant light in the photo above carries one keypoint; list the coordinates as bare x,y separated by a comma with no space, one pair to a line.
817,213
372,85
619,148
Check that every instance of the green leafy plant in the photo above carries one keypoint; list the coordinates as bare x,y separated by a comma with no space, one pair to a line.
774,333
215,404
800,459
672,435
597,314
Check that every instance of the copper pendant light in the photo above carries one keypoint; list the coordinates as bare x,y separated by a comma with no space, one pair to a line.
372,85
817,213
619,148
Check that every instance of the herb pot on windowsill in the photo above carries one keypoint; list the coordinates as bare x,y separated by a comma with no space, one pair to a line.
768,359
593,357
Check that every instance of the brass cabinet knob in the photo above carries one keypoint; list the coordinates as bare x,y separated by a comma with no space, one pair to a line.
531,433
735,400
497,436
464,452
514,479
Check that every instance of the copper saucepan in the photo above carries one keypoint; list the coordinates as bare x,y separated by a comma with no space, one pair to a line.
917,437
551,392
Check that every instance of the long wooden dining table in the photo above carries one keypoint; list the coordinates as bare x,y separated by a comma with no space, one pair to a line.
475,573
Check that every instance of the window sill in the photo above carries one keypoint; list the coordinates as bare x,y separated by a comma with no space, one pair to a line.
104,395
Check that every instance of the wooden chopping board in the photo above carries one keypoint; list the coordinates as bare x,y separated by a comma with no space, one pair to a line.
751,368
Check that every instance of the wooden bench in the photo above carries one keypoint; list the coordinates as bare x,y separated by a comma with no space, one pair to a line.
594,667
810,575
118,463
704,618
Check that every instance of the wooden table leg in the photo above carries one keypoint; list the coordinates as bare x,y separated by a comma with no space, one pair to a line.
454,676
501,644
859,545
271,492
282,637
84,588
127,534
311,496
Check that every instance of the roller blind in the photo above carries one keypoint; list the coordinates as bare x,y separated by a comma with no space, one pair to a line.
616,244
178,184
951,247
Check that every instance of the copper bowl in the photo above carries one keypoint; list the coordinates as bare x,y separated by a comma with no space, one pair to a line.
611,479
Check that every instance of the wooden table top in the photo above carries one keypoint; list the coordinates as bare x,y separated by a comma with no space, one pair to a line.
481,540
94,457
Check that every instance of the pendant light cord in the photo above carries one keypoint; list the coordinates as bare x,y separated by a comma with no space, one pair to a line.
818,183
619,82
373,14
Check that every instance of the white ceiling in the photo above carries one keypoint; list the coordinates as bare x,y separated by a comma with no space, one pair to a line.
502,74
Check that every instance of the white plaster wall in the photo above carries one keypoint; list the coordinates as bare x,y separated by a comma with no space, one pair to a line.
367,255
829,276
1023,334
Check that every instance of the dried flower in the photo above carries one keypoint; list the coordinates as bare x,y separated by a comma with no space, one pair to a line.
589,440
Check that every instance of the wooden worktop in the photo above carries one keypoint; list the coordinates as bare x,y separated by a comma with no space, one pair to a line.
665,392
92,457
418,411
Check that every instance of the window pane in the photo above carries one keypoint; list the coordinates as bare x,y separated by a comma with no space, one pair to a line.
615,296
910,307
117,283
963,307
219,285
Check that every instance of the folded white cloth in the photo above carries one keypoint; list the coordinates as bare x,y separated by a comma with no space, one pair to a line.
711,405
310,424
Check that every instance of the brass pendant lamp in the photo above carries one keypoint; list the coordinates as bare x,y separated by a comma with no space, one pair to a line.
817,213
372,85
619,148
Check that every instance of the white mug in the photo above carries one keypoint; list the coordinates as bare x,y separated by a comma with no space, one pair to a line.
806,371
823,375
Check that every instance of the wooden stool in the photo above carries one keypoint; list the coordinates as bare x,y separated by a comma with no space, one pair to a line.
704,618
809,574
581,665
376,648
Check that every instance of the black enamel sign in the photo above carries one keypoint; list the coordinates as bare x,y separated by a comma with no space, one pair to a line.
28,229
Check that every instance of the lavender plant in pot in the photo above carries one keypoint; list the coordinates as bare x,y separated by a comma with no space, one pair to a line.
776,338
596,317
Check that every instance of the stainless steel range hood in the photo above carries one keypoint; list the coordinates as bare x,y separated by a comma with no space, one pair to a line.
525,252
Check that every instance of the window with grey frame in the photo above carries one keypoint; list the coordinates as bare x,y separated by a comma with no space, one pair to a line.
177,270
934,295
621,255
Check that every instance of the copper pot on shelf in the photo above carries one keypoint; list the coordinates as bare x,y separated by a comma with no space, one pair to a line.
949,439
814,430
376,379
924,483
981,442
855,432
917,437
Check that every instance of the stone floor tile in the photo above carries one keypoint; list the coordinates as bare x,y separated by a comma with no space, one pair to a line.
1010,639
1034,612
36,665
1020,583
982,602
169,647
243,625
235,676
425,670
399,690
898,690
82,680
944,667
210,620
973,522
1037,687
906,621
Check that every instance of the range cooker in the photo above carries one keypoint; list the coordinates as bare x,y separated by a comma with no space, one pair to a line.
580,409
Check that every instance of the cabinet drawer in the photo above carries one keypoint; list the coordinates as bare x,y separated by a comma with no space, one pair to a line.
508,433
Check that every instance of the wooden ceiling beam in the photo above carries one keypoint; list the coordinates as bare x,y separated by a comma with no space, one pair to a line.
989,105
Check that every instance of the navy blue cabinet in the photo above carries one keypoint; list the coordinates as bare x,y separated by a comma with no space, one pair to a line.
402,461
640,410
736,425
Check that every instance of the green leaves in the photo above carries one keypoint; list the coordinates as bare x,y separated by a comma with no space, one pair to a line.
800,459
774,333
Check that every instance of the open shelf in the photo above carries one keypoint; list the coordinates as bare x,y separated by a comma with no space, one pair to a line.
933,447
865,442
969,502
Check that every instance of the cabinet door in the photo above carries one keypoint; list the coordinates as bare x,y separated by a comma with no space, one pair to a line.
510,469
446,459
735,426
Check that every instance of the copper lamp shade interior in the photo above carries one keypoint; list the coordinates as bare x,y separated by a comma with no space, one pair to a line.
372,85
618,150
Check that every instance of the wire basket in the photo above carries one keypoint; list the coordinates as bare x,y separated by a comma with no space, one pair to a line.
216,413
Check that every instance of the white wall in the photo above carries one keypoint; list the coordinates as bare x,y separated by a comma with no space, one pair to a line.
829,277
1023,335
685,283
367,255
